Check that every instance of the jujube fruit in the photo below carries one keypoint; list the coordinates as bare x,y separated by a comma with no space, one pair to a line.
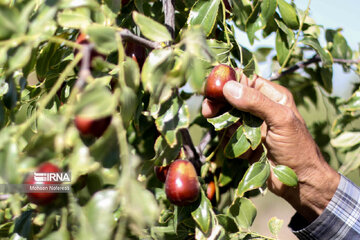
136,52
220,75
182,186
161,172
42,198
92,127
210,191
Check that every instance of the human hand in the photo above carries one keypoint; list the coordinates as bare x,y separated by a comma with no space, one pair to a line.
288,142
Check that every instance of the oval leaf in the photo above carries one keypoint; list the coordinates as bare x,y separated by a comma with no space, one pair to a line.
255,177
204,13
151,29
286,175
346,139
325,56
275,225
243,211
237,145
288,13
225,120
202,214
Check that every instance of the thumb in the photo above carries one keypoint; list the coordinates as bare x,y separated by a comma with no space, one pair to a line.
253,101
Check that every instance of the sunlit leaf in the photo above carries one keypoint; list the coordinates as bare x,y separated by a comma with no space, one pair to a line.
243,211
286,175
151,29
204,13
225,120
237,145
254,178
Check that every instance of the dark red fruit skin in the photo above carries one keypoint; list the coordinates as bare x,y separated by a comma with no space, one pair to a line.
216,81
182,186
210,191
136,52
124,2
91,127
161,172
42,198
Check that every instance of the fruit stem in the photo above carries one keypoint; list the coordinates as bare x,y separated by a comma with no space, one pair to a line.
297,37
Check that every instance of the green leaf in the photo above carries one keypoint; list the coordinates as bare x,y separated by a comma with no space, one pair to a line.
268,8
9,22
164,154
281,46
228,223
154,73
346,139
254,178
225,120
103,37
106,149
96,102
241,10
351,162
95,219
129,102
19,57
252,130
275,225
324,54
286,175
78,18
220,50
43,66
243,211
288,14
132,73
290,36
262,53
340,48
204,13
237,145
353,104
173,115
151,29
326,77
254,23
202,214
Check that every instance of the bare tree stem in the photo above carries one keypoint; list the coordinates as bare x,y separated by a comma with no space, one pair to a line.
312,60
169,12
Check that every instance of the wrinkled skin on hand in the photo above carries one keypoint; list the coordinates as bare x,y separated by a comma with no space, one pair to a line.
287,139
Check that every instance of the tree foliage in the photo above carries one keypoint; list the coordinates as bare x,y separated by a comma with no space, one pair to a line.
47,79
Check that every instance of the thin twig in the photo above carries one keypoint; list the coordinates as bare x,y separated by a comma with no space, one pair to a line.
127,35
312,60
85,66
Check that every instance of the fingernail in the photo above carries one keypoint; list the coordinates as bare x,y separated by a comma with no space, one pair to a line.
234,89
